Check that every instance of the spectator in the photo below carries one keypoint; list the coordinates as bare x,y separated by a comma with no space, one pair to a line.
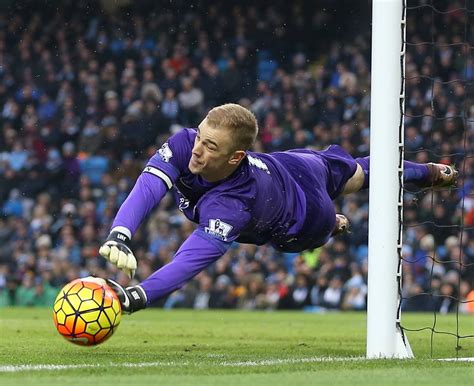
333,295
191,100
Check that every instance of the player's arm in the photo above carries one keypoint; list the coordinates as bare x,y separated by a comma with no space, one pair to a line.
197,252
145,195
161,172
222,219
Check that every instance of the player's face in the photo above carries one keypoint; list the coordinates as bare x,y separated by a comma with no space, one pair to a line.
213,156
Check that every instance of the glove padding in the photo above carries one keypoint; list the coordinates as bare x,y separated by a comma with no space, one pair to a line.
117,251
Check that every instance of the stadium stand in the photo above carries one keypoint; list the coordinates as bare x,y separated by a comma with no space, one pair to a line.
88,95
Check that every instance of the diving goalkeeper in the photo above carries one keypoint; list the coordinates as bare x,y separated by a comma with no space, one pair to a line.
233,194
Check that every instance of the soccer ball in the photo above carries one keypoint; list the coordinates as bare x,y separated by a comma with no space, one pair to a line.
87,311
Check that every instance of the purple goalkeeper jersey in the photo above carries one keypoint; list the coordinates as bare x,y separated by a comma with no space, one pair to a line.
282,198
260,202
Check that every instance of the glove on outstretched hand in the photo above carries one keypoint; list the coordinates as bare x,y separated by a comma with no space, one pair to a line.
116,250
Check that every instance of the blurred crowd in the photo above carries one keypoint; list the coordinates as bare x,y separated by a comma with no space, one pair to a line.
88,94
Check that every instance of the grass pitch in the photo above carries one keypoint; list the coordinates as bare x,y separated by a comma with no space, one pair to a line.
229,348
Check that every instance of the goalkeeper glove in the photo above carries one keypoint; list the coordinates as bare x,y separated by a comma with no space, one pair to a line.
116,250
132,298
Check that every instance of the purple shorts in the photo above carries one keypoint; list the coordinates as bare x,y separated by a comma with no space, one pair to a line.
322,175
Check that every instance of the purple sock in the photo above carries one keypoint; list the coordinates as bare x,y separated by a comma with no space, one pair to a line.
413,172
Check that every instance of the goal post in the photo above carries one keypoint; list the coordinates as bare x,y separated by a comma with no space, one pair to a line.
385,339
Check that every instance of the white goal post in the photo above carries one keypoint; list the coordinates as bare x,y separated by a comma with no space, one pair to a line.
384,336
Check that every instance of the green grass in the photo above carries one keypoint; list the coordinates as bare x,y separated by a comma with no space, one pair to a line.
229,348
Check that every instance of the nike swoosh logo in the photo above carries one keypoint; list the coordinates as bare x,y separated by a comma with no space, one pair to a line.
126,302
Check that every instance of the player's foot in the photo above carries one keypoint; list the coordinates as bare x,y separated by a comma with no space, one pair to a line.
132,298
440,176
342,225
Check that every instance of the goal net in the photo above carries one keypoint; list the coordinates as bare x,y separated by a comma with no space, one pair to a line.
438,265
421,110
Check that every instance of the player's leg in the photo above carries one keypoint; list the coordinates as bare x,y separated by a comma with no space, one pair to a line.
339,175
430,175
439,175
356,182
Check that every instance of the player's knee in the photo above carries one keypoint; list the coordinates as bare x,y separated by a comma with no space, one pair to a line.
356,182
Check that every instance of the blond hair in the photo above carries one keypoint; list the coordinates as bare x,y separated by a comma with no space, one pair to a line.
238,120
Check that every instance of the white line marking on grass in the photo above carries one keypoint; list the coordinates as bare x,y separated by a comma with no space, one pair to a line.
20,368
289,361
264,362
457,359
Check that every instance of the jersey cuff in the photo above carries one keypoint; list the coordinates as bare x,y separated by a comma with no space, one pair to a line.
157,172
123,230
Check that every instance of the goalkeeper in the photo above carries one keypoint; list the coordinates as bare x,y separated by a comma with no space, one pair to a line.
233,194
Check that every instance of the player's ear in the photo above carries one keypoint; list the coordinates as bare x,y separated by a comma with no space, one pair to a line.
236,157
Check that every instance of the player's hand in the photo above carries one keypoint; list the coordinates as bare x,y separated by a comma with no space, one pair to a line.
117,251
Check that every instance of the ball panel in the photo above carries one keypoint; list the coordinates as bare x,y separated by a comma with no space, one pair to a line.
61,317
88,305
116,306
112,316
74,300
93,284
60,297
93,328
85,293
90,316
108,300
104,321
58,304
80,326
98,295
118,318
67,308
103,335
63,330
69,322
75,287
